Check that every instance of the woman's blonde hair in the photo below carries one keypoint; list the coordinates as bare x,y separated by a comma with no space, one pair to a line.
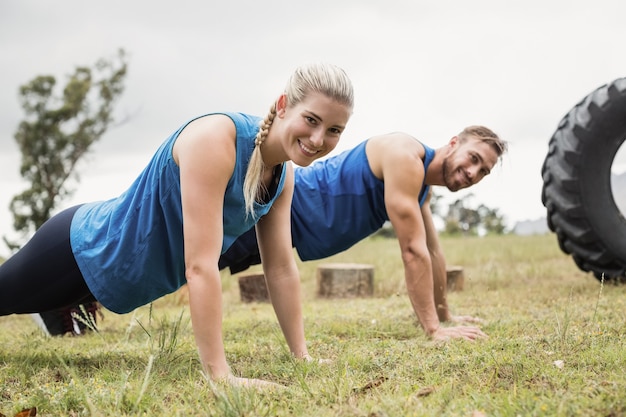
327,79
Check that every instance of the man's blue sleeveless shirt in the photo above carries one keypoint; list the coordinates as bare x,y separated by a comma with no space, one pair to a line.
339,201
130,248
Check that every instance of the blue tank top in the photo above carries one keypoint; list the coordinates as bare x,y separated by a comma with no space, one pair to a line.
338,202
130,248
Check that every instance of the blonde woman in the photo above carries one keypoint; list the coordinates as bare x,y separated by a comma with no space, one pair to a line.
210,181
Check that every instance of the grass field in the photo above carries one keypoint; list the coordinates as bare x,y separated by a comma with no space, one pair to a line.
556,347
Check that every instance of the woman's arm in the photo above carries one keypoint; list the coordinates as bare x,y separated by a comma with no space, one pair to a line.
205,153
279,266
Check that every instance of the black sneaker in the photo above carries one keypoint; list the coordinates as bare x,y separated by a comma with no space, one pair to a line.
75,320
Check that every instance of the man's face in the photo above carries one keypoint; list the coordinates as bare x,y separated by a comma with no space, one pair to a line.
467,163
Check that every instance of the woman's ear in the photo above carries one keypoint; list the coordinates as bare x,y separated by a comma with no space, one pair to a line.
281,105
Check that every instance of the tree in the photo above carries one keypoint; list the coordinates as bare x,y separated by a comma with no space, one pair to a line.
491,220
57,132
436,200
461,219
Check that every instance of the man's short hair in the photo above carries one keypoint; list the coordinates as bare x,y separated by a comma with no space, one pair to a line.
486,135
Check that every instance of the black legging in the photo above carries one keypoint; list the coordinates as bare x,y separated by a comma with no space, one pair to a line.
43,275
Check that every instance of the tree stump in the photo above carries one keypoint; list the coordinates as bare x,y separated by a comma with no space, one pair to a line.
455,278
252,287
338,280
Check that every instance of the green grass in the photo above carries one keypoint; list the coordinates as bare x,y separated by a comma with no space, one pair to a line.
540,311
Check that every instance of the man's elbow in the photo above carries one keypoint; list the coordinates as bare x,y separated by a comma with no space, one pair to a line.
415,255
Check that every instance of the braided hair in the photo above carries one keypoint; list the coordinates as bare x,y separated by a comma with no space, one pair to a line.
327,79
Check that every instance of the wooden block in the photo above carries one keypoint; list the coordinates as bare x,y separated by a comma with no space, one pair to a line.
252,287
455,278
339,280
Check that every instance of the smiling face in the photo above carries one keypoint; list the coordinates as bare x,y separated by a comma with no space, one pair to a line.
468,162
311,128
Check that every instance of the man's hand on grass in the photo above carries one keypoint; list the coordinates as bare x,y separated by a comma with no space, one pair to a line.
465,319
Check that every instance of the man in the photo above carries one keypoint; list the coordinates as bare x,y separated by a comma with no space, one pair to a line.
343,199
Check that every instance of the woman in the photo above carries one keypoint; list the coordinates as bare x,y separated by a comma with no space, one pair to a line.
209,182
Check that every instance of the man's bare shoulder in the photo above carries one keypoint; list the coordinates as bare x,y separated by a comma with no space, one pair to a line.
397,150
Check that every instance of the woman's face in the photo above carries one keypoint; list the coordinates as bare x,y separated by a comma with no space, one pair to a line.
311,128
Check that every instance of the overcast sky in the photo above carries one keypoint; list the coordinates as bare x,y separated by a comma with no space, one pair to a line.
429,68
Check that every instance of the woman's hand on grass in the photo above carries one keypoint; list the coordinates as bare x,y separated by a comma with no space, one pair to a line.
250,382
309,358
457,332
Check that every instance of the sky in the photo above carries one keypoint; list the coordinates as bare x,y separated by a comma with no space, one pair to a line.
428,68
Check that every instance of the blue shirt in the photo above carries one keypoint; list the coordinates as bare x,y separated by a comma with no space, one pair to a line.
130,248
338,202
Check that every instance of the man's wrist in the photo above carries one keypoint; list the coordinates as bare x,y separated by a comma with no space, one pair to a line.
432,329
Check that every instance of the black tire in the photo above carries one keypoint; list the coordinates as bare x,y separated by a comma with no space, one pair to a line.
577,182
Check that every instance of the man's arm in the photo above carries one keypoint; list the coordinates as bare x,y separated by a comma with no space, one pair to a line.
397,160
440,277
438,262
